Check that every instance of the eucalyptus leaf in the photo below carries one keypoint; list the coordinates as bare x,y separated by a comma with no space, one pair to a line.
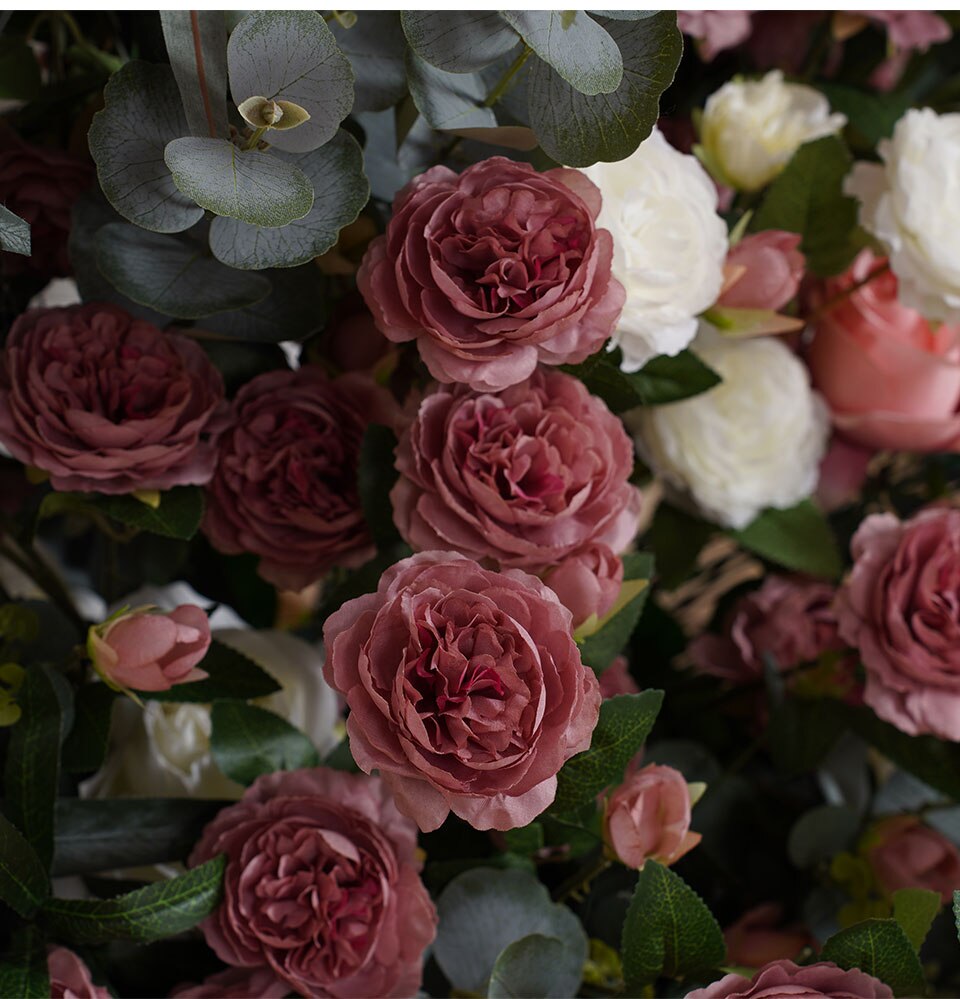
578,129
249,185
14,233
340,191
196,43
292,55
142,113
458,41
375,47
574,44
536,965
449,101
822,833
172,275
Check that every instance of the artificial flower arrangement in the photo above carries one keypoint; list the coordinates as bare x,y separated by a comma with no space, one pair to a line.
478,504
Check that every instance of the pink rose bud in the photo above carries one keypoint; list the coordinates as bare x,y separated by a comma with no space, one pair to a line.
70,977
784,978
587,582
770,270
906,853
648,817
146,650
616,679
759,937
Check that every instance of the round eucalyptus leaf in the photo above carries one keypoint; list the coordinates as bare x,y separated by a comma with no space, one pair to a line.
142,113
536,965
448,100
458,41
291,55
249,185
375,47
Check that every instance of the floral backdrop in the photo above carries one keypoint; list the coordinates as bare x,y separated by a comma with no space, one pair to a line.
478,504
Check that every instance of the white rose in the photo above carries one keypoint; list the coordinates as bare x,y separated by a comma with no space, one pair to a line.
912,205
751,128
753,441
669,246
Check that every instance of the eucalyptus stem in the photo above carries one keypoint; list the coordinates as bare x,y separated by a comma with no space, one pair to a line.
31,563
499,90
580,880
255,138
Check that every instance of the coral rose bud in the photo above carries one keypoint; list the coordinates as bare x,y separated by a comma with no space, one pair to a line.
142,650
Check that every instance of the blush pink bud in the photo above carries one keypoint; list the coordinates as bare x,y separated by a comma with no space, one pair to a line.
616,679
907,853
143,650
70,977
770,267
587,582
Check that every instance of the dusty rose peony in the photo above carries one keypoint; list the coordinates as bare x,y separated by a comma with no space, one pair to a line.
648,817
899,607
141,650
321,886
108,403
70,977
40,185
906,853
759,937
616,679
465,687
780,979
236,983
525,477
493,270
891,379
770,267
843,473
587,582
286,483
715,30
790,619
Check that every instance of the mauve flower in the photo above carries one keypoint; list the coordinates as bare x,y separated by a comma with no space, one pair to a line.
647,817
906,853
141,650
780,979
715,30
107,403
843,472
616,679
70,977
465,687
493,270
587,582
526,477
236,983
899,607
910,29
769,266
40,185
321,886
759,937
286,482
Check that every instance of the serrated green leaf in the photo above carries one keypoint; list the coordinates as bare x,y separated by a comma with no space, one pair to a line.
159,910
248,741
915,909
458,41
85,747
535,965
14,233
668,930
625,722
600,649
23,880
880,948
808,198
799,538
375,478
178,515
196,43
232,675
23,966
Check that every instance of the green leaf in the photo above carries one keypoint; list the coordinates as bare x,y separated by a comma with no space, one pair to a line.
142,113
822,833
450,101
232,675
808,198
252,186
915,909
601,648
576,46
14,233
340,758
23,966
956,911
458,41
375,478
802,732
85,747
159,910
668,930
577,129
101,835
197,46
871,114
482,911
625,722
248,741
32,770
19,73
536,965
880,948
23,880
677,538
291,55
799,538
340,190
178,515
375,47
526,840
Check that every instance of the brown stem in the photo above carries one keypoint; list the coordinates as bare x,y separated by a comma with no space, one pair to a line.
847,292
202,73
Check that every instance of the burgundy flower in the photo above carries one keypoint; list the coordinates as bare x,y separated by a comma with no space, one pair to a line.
493,270
108,403
525,477
40,185
321,887
465,687
286,483
784,978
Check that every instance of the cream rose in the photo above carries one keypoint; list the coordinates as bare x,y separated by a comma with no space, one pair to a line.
912,205
751,128
753,441
669,246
